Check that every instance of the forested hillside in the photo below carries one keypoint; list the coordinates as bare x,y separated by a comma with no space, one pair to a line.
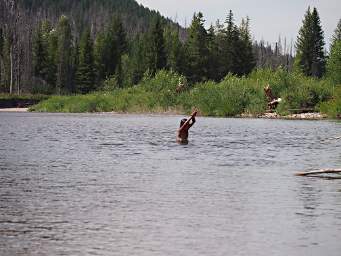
95,13
20,19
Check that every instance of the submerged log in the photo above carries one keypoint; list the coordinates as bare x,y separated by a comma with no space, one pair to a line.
323,171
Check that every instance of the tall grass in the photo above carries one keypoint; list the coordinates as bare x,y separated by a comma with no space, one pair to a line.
230,97
333,107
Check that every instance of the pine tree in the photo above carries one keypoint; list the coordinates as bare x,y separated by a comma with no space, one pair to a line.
1,41
85,75
221,48
64,54
337,33
174,50
310,45
232,47
6,62
197,50
52,58
40,52
1,55
138,58
246,54
213,58
110,50
334,61
155,48
100,57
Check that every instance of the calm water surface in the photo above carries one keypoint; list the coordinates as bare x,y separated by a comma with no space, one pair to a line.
109,184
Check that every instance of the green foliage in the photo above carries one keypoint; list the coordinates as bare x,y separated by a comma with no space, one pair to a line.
85,76
134,64
100,56
310,45
155,51
333,107
230,97
197,50
213,61
40,50
296,90
174,50
110,84
232,47
224,99
161,82
64,53
115,45
52,50
87,12
152,95
5,63
163,86
1,41
247,58
1,55
337,33
334,61
44,51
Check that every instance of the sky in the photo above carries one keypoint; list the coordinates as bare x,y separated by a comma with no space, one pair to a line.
269,18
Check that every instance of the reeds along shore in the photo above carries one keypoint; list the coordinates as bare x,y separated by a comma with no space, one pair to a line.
233,96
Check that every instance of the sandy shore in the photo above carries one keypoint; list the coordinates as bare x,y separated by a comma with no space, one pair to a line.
13,109
302,116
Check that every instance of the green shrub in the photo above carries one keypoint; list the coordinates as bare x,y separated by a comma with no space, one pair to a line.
110,84
333,107
230,97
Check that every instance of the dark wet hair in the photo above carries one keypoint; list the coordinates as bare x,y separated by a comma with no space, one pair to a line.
183,121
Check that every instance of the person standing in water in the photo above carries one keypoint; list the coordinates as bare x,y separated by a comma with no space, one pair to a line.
185,124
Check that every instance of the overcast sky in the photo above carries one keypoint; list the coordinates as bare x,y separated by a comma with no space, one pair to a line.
269,18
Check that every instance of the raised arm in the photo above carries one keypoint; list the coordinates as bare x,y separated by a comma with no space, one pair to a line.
192,118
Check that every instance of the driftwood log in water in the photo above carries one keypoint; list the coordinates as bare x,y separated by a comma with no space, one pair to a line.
318,172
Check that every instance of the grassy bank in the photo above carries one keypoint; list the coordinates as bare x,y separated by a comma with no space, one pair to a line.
230,97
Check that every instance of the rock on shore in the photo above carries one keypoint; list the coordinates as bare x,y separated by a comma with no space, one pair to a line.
302,116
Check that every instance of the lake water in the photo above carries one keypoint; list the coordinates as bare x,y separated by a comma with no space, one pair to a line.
106,184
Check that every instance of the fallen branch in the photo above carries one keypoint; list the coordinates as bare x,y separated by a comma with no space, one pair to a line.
323,171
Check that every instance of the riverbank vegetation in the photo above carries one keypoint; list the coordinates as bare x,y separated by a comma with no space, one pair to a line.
232,96
219,70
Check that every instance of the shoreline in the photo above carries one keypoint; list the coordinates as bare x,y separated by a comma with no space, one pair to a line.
302,116
13,109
